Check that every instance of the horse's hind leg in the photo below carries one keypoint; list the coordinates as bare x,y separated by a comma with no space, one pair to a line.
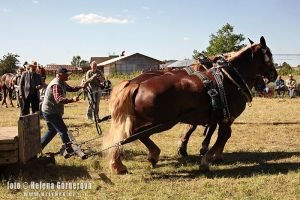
205,144
182,143
153,149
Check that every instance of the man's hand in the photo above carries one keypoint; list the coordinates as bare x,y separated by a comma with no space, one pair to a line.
84,84
76,98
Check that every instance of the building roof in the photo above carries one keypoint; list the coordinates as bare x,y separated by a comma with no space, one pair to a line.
102,59
68,67
113,60
181,63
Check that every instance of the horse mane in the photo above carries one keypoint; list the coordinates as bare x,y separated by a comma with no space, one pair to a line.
234,55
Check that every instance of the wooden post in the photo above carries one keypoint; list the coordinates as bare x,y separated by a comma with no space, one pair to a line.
29,134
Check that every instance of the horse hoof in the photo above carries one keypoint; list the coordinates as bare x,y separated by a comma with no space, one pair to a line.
217,159
118,169
204,168
153,162
181,153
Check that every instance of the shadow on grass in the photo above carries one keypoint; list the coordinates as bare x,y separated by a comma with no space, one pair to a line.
244,157
43,171
241,164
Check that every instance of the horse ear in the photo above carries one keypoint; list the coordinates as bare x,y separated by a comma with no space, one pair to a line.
263,42
251,42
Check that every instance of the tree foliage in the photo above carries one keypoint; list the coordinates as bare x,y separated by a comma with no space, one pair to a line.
286,69
224,41
9,63
77,61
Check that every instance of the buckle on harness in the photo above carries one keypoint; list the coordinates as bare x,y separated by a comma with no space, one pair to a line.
212,92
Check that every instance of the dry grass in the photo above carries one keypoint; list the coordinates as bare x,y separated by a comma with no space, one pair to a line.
262,161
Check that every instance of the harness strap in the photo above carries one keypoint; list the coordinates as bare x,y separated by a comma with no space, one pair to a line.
219,80
249,98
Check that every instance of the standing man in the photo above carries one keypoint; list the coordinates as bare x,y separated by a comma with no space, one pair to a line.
53,110
16,81
291,84
30,84
93,79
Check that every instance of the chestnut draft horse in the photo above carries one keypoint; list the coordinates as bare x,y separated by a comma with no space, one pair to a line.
7,87
159,103
211,127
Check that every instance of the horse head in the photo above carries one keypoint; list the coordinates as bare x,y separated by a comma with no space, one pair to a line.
263,60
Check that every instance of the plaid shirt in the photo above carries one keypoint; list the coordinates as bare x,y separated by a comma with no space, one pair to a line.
58,93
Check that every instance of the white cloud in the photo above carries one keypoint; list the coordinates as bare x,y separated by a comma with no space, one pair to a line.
186,38
35,1
92,18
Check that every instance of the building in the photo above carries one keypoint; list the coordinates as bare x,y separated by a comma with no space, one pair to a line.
52,68
129,64
181,63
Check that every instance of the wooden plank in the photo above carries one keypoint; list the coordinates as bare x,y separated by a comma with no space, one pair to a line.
29,137
9,157
9,146
8,134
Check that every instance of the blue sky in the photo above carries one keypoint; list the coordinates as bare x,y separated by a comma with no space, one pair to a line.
52,31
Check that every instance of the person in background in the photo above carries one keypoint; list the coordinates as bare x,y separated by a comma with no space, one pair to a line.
53,110
107,87
30,83
279,86
93,81
16,82
291,85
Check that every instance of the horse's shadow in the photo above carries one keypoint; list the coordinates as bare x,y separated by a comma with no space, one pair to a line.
244,164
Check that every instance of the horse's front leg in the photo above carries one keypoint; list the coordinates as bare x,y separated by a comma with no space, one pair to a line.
182,143
4,98
205,144
215,153
154,151
116,165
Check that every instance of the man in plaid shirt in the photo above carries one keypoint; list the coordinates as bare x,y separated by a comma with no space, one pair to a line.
53,110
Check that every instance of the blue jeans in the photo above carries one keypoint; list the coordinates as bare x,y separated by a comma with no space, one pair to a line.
96,95
55,124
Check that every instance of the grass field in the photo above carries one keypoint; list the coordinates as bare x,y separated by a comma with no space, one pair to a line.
262,161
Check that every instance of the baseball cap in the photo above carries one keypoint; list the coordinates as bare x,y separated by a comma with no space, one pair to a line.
62,70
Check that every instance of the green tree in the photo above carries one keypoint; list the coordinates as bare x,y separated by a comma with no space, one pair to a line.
76,61
196,54
9,63
84,63
224,41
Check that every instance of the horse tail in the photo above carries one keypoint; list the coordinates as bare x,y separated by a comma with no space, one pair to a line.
115,92
122,115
